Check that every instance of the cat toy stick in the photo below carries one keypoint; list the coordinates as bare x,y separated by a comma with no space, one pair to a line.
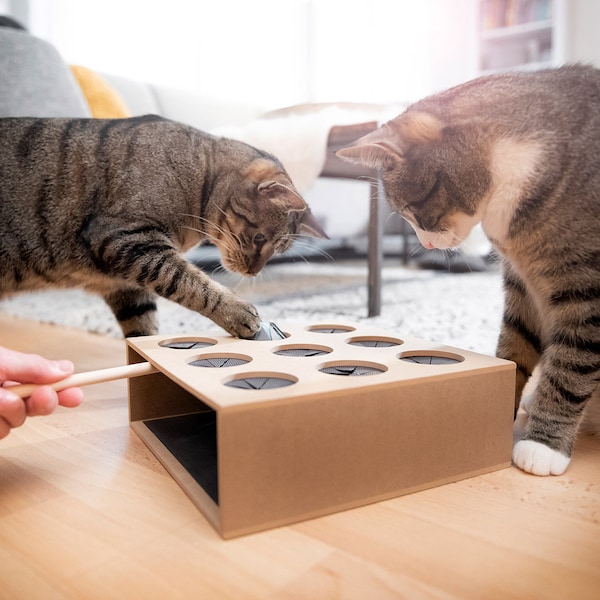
88,378
267,331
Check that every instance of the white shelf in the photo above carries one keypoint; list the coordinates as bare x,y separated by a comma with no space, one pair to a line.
515,32
527,66
526,46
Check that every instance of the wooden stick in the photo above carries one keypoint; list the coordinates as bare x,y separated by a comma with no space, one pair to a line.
88,378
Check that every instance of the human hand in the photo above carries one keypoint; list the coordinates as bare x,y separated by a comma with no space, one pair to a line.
17,367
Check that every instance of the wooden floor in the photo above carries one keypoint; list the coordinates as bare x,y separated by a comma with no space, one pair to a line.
87,512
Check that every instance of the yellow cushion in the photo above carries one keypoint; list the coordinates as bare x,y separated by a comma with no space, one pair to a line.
103,100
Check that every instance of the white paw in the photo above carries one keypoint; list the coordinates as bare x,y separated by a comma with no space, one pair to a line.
539,459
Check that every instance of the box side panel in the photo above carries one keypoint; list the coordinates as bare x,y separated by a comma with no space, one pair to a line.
154,396
283,463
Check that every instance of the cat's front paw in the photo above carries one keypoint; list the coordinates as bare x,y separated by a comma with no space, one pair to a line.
539,459
238,317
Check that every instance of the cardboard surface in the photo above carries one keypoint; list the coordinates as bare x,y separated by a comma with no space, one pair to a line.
364,415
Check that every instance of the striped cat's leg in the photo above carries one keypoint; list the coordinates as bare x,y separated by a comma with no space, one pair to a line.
554,415
519,339
144,256
568,379
135,310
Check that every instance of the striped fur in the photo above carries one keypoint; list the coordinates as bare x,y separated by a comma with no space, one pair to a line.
110,206
520,154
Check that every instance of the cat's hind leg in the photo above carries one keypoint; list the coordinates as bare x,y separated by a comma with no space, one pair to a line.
135,310
527,397
554,409
531,456
546,411
519,338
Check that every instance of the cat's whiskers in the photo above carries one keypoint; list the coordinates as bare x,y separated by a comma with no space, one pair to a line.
219,269
229,241
302,243
227,234
391,214
368,179
211,238
206,235
417,249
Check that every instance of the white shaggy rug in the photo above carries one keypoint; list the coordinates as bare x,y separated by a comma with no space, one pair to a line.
462,310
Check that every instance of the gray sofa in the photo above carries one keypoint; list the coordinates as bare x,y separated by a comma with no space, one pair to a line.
36,82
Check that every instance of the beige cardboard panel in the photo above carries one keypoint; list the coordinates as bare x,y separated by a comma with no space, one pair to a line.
245,530
328,442
283,461
158,396
208,383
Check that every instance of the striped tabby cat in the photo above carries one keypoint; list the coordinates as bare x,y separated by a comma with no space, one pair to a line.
110,205
520,154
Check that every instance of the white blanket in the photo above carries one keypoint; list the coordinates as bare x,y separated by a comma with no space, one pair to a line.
299,139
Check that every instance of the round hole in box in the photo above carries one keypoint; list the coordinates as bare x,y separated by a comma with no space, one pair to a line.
430,357
188,343
261,381
330,328
374,342
353,368
302,350
220,361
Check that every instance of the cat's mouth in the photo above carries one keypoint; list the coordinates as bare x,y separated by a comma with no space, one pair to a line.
441,240
245,266
460,228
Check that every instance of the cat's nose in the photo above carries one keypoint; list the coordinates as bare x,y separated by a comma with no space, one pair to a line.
256,264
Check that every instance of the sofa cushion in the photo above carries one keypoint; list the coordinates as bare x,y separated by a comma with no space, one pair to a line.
138,96
203,110
103,100
36,82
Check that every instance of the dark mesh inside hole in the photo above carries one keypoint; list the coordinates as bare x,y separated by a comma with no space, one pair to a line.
374,343
424,359
330,330
301,352
218,362
351,370
259,383
187,345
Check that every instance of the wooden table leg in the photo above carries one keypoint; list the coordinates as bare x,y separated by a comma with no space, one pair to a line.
339,137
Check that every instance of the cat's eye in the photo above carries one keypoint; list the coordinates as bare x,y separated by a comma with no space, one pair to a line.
265,185
260,238
434,190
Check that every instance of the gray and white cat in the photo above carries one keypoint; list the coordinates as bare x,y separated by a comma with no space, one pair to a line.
520,154
110,205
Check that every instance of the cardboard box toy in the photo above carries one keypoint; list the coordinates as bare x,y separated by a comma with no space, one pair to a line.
265,433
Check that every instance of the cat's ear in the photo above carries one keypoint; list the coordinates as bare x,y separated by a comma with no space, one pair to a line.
374,150
281,193
293,202
308,225
387,145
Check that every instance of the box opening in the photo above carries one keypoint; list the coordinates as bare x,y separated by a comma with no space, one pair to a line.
192,440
